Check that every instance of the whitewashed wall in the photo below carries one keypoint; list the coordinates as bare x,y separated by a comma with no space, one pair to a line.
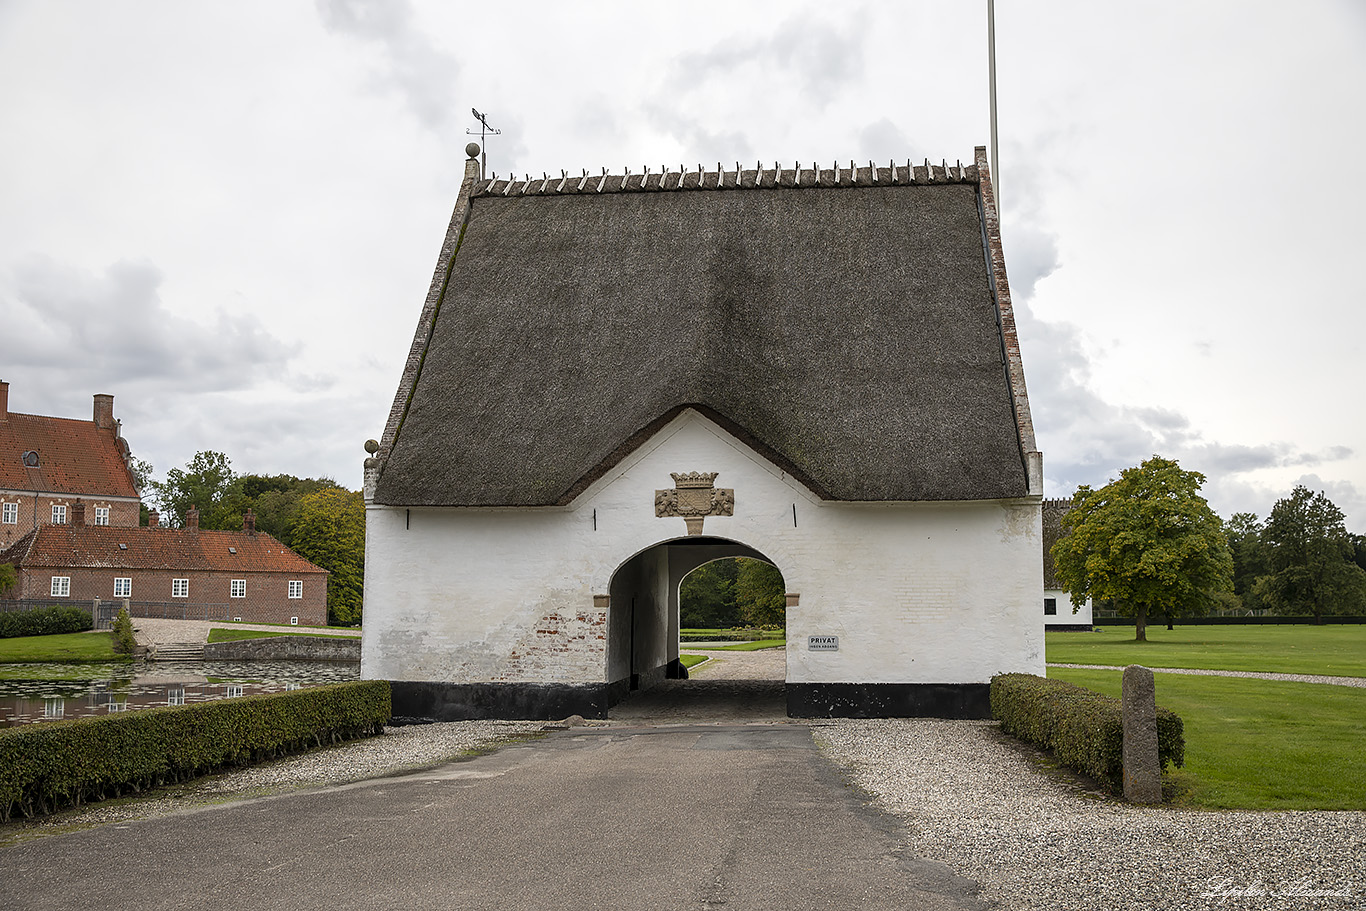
916,593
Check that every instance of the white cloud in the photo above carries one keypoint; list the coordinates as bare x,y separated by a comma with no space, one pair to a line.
424,75
111,328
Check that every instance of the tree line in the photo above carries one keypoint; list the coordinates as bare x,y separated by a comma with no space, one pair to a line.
315,517
1148,543
732,592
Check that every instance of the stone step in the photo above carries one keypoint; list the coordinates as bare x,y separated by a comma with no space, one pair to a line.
179,651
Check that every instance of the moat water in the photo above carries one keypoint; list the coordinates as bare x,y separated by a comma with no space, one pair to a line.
35,693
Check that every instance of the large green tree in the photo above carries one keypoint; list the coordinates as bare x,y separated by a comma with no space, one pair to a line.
203,484
1244,533
275,500
1310,558
1147,541
760,594
330,531
706,599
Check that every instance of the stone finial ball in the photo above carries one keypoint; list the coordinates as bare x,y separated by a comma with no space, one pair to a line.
372,446
472,150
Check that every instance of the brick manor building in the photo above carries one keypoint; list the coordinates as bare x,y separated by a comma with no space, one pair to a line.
48,462
256,577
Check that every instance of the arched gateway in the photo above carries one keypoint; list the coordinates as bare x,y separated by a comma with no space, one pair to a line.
617,379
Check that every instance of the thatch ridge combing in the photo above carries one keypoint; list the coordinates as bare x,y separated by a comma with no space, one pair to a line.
848,331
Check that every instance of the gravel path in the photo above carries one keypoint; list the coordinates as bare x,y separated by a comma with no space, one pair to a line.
1259,675
155,631
973,799
763,664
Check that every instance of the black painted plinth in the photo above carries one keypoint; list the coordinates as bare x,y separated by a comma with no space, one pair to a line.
889,700
424,701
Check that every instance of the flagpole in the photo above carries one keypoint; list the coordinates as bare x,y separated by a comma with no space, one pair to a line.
991,74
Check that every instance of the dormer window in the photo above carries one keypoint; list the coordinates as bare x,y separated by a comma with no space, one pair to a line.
30,459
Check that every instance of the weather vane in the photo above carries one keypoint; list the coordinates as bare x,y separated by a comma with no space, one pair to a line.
483,133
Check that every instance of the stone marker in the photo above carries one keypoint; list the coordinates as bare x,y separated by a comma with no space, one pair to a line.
1142,769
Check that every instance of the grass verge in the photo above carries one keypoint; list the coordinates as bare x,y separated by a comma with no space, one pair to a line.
692,660
1260,744
1338,650
80,647
753,646
218,634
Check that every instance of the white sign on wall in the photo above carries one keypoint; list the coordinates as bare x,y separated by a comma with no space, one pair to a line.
823,643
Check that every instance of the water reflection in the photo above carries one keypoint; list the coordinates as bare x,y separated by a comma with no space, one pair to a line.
51,692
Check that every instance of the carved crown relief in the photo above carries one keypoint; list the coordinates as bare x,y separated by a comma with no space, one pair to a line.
693,498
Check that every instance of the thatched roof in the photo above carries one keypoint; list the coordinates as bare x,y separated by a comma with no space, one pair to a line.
852,333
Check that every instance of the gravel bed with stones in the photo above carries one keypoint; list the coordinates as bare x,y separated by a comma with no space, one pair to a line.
976,801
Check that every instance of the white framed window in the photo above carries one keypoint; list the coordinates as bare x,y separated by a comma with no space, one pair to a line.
58,514
175,695
237,588
123,587
61,586
296,588
9,514
101,515
232,690
180,588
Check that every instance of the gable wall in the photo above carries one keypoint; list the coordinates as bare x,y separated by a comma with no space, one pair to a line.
917,593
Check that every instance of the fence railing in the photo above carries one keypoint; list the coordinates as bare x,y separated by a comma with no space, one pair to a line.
20,605
105,611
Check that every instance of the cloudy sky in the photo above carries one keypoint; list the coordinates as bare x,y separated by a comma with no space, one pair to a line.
227,214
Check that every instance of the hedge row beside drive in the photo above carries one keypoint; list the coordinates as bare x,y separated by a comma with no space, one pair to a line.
45,621
46,766
1083,729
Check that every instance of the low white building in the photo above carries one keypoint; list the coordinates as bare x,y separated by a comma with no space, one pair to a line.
616,379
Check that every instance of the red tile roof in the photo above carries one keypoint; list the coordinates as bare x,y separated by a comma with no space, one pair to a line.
92,546
74,457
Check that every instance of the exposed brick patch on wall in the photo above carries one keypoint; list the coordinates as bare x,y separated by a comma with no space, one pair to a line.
560,643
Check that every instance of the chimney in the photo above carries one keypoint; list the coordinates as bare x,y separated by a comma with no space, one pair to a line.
153,518
104,412
78,513
4,401
249,522
192,519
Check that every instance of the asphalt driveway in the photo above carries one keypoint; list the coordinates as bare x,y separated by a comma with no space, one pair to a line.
738,816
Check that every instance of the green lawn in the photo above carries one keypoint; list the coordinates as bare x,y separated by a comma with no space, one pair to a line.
1333,649
1260,744
218,634
89,646
739,646
691,660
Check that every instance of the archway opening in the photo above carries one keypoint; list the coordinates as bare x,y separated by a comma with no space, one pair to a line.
733,620
646,604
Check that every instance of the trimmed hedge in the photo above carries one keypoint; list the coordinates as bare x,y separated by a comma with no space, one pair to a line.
44,767
1083,729
45,621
